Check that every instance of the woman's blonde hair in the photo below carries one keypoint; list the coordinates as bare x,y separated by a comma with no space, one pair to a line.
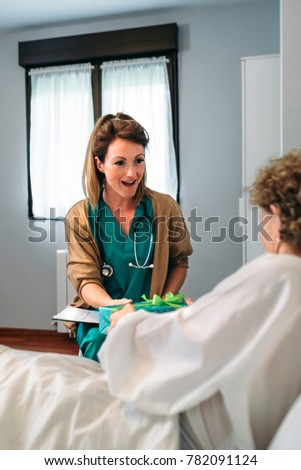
279,183
107,129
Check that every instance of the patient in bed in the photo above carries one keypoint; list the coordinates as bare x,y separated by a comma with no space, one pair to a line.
219,374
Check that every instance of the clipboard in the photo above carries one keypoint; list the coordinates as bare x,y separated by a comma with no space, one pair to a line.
75,314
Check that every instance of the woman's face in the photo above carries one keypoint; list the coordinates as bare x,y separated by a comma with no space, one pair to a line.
123,167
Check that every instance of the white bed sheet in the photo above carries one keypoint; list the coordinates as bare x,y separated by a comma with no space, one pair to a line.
54,401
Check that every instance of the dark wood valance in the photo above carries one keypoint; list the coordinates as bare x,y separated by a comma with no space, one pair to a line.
105,45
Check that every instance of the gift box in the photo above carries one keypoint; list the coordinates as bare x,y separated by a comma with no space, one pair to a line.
154,305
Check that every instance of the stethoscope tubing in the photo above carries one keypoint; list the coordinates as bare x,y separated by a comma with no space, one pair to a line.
107,270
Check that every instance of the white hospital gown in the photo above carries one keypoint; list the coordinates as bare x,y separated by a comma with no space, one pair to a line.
223,372
230,364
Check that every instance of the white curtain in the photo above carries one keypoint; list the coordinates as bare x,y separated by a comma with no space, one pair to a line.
140,88
60,125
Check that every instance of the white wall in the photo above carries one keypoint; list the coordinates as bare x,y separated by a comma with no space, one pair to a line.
212,41
291,66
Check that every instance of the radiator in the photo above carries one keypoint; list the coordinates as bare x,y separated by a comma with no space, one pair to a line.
64,290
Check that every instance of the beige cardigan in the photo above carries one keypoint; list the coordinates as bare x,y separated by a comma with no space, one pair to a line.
172,245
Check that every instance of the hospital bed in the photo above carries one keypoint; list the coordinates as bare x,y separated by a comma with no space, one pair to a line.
53,401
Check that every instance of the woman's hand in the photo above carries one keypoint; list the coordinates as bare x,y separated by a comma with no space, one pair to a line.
115,317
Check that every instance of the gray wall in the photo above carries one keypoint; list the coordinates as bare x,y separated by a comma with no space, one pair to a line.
212,41
291,66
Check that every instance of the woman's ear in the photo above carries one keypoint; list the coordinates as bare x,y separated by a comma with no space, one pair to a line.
275,212
274,209
99,165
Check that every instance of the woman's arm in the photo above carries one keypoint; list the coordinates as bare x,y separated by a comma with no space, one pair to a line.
175,279
96,296
84,259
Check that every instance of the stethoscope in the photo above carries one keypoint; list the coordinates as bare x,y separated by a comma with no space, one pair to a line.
107,270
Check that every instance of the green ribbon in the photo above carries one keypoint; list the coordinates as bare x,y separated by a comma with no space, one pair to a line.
174,301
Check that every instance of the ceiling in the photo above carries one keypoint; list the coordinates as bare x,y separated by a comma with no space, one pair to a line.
20,14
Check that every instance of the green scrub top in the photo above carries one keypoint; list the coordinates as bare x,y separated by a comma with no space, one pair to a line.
118,250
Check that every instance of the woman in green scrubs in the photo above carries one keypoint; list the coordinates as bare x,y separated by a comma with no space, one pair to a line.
124,240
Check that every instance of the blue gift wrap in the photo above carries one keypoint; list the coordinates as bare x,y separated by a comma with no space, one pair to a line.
170,304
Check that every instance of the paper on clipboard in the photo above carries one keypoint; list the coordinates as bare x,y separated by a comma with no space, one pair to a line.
77,315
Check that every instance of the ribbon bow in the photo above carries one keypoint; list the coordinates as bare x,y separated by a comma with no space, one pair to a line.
174,301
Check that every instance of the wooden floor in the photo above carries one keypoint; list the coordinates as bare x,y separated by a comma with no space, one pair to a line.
38,340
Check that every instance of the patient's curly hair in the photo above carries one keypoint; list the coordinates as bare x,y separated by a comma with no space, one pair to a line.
279,183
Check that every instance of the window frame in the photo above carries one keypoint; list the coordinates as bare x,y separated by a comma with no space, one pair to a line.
96,48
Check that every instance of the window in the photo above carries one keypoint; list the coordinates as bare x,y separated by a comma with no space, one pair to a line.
140,88
97,52
61,117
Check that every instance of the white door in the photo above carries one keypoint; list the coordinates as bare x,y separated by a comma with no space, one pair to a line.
261,134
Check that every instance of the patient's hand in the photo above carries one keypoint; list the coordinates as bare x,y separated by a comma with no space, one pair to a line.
115,317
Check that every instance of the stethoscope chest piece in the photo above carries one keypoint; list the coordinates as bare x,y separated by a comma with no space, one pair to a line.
107,270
